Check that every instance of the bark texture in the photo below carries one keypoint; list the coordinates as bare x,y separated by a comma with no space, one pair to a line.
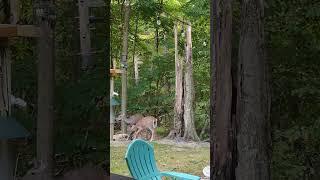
224,156
45,91
190,132
124,65
85,38
7,150
178,107
213,86
7,158
75,43
4,81
253,96
134,56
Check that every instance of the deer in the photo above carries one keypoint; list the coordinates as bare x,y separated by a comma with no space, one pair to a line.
130,120
148,122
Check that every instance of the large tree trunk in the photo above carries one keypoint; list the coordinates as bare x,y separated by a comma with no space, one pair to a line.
85,38
213,85
4,79
75,43
190,132
7,154
178,107
124,65
253,96
45,92
223,149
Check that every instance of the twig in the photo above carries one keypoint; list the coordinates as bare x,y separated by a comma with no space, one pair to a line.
15,169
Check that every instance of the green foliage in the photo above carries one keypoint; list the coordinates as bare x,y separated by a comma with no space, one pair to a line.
293,53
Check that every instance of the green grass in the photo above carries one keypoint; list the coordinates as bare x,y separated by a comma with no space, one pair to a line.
169,158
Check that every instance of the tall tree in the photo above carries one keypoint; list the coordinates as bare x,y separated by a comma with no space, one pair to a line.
75,42
85,38
124,65
223,149
213,84
7,150
253,96
178,107
190,132
45,20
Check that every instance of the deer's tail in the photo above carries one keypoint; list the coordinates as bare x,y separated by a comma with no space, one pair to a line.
155,122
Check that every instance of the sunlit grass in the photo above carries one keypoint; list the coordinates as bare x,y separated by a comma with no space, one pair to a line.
169,158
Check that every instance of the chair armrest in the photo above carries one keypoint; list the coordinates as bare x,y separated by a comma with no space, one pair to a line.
179,175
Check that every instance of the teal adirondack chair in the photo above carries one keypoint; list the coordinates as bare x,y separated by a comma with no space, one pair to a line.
142,164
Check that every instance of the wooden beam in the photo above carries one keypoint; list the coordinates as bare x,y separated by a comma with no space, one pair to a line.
13,30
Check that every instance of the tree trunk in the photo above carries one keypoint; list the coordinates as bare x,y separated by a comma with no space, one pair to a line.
178,107
190,132
45,92
85,39
165,48
109,61
253,96
14,11
213,85
224,153
75,44
157,38
4,80
7,155
134,56
124,65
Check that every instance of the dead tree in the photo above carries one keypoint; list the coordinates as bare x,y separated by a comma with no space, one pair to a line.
177,130
190,132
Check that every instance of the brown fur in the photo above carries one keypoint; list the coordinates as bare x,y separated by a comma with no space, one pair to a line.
148,122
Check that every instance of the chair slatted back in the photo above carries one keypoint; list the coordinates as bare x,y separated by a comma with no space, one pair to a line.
141,161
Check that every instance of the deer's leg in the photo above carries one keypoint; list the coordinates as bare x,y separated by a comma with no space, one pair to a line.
138,131
152,132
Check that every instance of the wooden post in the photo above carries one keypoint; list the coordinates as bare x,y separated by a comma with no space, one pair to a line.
85,41
112,115
134,56
136,69
45,19
124,58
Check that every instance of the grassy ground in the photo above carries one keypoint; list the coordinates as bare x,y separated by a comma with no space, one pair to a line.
169,158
